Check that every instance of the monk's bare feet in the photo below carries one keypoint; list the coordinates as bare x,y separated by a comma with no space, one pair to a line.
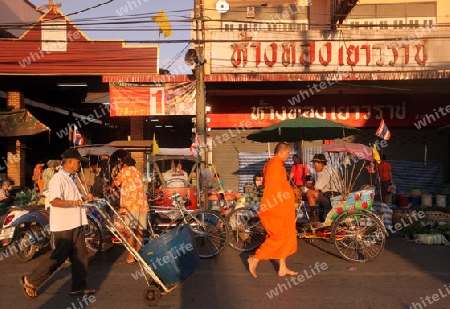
252,263
28,288
287,272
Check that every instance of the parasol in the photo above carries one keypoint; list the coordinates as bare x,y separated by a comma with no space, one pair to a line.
299,129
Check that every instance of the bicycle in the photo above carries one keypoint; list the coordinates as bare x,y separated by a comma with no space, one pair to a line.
246,230
210,230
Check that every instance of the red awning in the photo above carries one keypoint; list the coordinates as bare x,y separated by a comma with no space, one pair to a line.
305,77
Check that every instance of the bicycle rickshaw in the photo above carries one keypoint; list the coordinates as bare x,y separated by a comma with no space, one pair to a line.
356,231
173,200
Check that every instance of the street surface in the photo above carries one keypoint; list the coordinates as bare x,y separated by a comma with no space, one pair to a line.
405,275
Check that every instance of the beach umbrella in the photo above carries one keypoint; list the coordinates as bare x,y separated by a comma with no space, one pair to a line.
302,129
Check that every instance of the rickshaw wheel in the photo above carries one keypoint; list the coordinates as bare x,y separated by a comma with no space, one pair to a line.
246,230
151,295
359,237
210,232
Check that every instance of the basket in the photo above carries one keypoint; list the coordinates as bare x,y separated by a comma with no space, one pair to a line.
400,214
429,215
436,216
172,256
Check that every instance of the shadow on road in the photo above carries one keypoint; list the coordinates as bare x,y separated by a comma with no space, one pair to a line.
99,268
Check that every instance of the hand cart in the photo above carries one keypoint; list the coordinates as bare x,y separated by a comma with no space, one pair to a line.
156,285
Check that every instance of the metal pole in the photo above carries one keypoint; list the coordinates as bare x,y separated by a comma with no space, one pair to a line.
200,88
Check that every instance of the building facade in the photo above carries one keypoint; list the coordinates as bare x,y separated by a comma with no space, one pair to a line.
384,60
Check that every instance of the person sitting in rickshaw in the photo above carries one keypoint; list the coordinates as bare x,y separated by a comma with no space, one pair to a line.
176,177
325,187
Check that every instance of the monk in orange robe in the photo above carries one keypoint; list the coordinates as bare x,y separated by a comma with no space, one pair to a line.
277,214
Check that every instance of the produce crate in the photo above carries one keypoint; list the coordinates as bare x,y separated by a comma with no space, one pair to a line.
429,215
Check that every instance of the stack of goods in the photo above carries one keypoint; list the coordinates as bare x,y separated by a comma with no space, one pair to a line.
252,200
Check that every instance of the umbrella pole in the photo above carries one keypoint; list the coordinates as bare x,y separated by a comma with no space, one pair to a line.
268,149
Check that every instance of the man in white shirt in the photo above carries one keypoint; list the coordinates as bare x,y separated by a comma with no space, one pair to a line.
66,223
326,186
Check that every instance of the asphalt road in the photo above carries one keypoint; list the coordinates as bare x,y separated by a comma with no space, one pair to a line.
405,275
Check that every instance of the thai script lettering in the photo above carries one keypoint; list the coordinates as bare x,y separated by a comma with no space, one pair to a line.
341,112
305,54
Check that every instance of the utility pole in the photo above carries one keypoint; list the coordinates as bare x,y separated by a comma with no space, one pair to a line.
200,88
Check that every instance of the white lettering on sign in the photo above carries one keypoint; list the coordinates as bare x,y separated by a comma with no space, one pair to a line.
341,112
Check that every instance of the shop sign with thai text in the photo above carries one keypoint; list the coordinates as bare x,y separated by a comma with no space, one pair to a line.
357,110
315,51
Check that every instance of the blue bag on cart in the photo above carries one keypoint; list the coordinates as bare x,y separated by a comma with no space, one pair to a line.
172,256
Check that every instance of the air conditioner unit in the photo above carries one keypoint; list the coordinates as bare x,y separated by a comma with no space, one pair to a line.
250,11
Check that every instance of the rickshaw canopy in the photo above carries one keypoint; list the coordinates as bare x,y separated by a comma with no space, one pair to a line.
97,150
359,150
175,154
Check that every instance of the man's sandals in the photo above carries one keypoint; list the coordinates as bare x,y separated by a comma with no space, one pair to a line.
26,287
83,292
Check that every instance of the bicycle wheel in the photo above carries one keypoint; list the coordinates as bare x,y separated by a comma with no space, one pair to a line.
359,237
93,236
246,230
210,232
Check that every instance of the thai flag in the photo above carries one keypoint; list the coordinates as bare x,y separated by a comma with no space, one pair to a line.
195,147
77,138
383,131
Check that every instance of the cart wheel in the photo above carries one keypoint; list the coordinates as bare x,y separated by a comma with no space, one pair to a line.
93,236
359,237
210,232
246,230
151,295
310,240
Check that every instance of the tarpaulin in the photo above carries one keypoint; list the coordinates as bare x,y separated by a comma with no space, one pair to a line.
20,123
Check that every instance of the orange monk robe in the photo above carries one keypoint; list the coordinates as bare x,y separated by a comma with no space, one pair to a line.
277,213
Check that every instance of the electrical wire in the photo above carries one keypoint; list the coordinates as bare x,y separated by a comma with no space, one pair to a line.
176,57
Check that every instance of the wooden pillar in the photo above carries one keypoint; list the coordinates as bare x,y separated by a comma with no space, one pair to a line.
137,133
15,146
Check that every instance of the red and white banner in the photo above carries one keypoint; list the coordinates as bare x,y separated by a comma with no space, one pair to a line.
137,100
